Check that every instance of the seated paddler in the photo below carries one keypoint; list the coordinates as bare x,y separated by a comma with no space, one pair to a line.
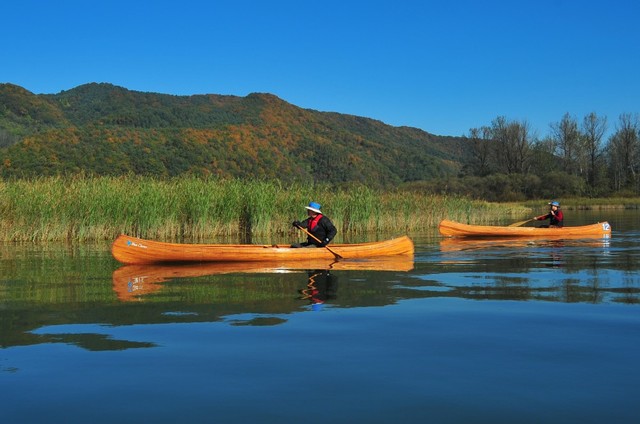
320,230
555,216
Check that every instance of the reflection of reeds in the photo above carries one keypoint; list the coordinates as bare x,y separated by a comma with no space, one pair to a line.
100,208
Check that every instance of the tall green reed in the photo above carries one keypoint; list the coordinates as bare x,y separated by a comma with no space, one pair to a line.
195,208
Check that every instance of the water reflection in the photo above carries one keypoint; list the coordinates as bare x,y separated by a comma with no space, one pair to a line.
552,324
44,291
458,243
87,340
567,269
322,285
135,282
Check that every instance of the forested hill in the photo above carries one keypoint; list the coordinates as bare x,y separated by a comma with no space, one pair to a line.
103,129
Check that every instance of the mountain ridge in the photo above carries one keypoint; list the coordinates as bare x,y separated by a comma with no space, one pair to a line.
104,129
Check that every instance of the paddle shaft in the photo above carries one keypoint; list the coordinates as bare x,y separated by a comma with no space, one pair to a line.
318,240
518,224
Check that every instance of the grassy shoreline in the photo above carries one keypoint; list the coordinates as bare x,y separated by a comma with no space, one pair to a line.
195,209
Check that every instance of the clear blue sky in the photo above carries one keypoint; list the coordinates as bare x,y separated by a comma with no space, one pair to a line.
442,66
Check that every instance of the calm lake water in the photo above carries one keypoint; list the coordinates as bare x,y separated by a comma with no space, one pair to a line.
477,332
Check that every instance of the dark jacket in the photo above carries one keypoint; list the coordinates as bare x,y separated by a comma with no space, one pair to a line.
324,230
554,220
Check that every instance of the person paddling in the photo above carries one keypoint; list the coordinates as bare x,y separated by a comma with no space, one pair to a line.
321,229
555,215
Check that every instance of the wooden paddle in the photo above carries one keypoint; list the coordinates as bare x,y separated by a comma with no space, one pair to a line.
318,240
518,224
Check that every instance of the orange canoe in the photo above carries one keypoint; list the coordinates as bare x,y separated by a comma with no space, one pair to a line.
456,229
133,250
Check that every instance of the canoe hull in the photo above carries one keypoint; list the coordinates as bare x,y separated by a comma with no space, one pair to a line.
455,229
133,250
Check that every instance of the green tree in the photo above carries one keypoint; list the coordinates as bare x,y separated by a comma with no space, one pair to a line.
512,145
567,143
593,129
624,154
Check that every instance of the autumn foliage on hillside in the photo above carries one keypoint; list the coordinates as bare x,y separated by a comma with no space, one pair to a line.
101,129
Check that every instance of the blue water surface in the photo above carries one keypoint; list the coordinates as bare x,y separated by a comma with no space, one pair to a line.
473,334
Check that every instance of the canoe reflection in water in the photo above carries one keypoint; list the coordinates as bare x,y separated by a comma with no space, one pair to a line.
134,282
322,286
554,247
458,244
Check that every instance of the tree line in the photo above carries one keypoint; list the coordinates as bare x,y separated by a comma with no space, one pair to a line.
574,159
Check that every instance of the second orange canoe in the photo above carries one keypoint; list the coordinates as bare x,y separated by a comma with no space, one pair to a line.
456,229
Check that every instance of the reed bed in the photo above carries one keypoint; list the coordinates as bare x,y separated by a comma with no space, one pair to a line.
196,209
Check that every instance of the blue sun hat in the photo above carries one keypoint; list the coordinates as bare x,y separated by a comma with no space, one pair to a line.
314,207
554,203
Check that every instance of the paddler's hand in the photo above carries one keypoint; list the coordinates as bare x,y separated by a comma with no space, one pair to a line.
297,224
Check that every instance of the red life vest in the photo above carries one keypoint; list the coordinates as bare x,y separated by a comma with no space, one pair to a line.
314,222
